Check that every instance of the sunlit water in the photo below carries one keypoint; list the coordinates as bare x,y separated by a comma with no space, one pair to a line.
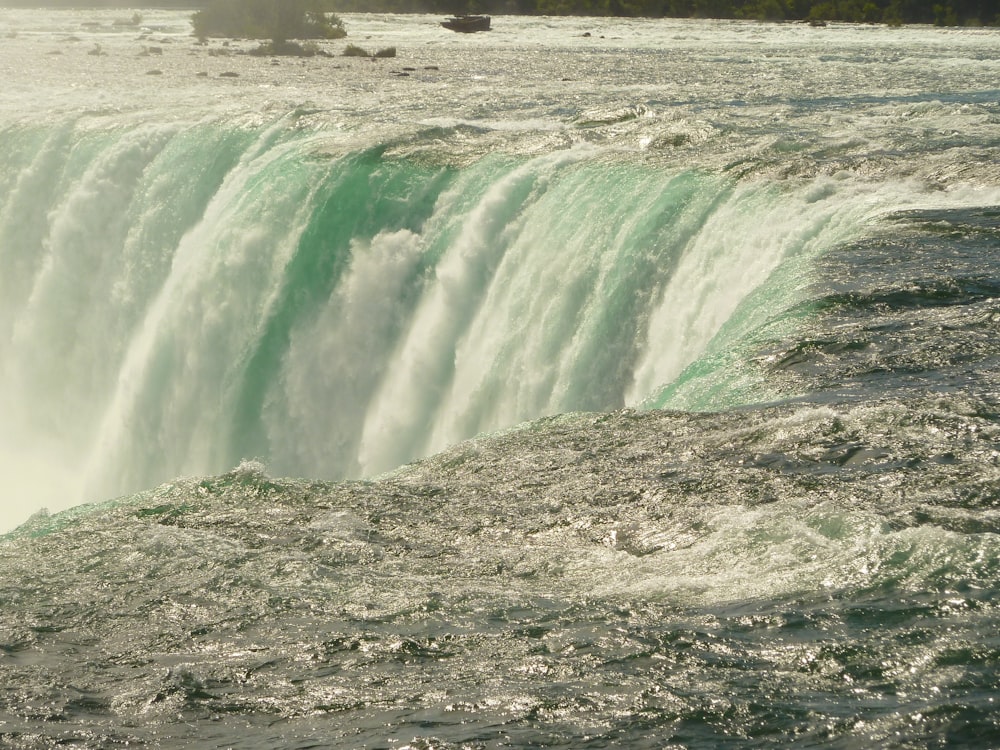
690,327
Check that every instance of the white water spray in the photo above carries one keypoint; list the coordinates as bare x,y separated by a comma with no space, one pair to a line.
575,280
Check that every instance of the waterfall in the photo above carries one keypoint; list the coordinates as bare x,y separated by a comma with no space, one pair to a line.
178,297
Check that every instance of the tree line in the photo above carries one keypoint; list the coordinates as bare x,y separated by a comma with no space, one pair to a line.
893,12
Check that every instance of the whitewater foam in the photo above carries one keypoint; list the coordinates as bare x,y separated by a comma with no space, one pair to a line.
303,270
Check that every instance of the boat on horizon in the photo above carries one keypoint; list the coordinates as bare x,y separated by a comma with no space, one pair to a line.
467,24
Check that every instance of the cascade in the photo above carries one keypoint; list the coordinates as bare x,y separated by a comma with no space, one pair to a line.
177,298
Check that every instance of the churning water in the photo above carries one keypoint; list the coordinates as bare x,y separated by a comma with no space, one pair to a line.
639,380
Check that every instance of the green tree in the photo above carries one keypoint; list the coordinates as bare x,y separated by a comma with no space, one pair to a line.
574,7
713,9
765,10
277,20
944,15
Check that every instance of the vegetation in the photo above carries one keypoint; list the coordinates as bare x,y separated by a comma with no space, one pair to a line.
893,12
277,20
310,19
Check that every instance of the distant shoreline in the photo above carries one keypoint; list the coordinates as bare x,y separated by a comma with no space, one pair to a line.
946,13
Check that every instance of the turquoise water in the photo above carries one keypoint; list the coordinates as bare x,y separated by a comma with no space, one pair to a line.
531,389
340,316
